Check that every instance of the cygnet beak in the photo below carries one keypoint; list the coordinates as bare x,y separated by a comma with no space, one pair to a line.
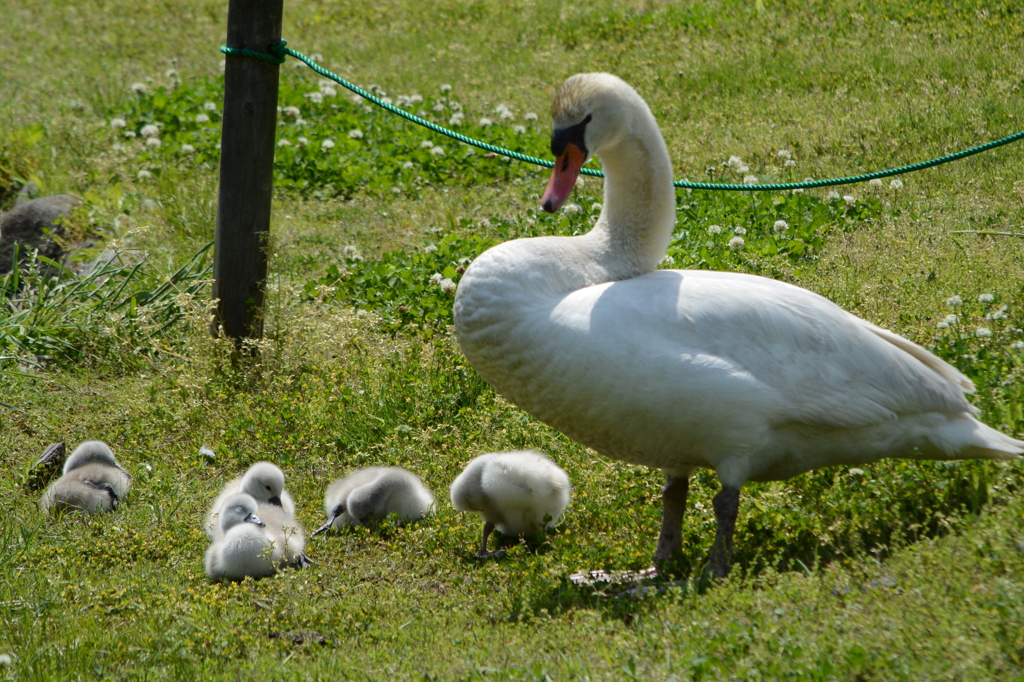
563,177
252,518
276,501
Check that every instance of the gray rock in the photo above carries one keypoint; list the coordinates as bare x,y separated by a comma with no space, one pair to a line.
30,226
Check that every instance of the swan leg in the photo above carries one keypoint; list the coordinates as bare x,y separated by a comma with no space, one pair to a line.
727,507
673,500
484,553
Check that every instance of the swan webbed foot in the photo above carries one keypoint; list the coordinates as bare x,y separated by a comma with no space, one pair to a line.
727,506
673,497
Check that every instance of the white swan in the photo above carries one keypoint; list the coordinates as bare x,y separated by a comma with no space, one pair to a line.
519,493
92,481
243,547
675,369
264,482
370,494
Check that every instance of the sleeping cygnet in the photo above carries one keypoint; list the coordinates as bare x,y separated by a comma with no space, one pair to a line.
369,495
264,482
92,482
519,493
244,547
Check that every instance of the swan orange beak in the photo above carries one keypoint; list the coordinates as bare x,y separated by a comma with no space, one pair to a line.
563,177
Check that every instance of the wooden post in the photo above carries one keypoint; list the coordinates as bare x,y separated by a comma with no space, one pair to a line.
248,128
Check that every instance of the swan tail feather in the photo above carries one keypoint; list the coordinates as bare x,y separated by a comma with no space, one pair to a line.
970,439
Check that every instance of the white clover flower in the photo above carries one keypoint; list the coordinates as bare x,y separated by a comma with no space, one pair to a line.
742,169
456,119
355,99
668,261
951,319
789,163
202,118
954,301
415,99
739,230
736,243
439,107
426,144
153,142
323,82
997,314
139,88
445,87
367,109
328,91
504,113
580,182
210,106
784,154
302,141
530,116
465,262
484,222
291,112
6,660
408,165
943,325
283,143
596,207
355,134
734,162
315,97
327,144
430,248
118,123
486,122
143,175
572,209
436,278
832,196
875,183
749,179
187,149
799,190
518,129
1017,345
437,150
171,73
386,100
780,226
447,286
300,121
150,130
129,134
850,200
986,298
983,332
896,184
714,229
350,250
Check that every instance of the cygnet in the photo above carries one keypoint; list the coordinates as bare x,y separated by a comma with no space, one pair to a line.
519,493
369,495
244,547
92,482
264,482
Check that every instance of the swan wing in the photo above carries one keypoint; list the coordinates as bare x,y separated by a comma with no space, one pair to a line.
755,343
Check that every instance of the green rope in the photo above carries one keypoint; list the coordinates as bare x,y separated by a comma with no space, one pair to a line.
276,55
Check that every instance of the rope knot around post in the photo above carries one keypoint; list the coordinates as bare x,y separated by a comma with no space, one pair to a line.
275,53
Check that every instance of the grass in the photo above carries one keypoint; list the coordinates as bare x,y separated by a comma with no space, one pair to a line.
902,571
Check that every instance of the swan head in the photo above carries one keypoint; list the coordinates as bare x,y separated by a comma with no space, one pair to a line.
591,112
265,482
238,509
90,452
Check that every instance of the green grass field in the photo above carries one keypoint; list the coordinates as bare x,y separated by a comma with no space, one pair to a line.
895,571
